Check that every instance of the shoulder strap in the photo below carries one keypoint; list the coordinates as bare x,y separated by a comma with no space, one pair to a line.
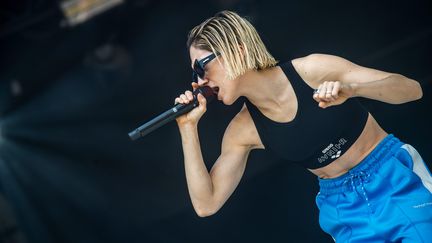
299,85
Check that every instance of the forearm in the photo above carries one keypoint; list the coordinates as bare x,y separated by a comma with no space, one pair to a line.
198,179
394,89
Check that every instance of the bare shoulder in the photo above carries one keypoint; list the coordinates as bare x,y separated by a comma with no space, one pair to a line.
242,131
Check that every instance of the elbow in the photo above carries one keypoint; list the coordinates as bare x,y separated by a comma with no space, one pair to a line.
413,88
205,212
419,91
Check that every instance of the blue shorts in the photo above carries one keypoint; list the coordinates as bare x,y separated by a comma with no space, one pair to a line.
385,198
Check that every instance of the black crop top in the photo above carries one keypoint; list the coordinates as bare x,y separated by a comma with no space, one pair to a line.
316,136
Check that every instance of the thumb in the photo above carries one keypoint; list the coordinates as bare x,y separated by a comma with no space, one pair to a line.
324,104
202,101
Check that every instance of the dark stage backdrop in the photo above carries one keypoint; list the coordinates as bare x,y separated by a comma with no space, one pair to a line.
70,95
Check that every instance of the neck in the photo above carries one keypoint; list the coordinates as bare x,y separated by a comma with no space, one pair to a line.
266,89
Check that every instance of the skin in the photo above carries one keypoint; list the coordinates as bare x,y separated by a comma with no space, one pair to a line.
271,92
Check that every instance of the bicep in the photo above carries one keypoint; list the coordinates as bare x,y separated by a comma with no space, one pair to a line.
323,67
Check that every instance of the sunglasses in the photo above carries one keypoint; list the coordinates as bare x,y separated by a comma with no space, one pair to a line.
198,67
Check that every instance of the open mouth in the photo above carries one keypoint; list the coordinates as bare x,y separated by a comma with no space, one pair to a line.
215,90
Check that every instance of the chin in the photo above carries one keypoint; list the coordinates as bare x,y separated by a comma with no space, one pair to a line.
228,101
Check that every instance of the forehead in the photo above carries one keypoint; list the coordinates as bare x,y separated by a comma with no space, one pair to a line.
197,54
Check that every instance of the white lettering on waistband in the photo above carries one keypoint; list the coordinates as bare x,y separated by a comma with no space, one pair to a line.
332,151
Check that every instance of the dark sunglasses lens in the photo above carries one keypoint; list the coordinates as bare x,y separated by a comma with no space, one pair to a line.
198,69
194,77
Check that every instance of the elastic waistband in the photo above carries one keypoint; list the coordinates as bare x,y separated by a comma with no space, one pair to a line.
364,170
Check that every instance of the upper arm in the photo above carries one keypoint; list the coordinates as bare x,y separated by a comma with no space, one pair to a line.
239,139
316,68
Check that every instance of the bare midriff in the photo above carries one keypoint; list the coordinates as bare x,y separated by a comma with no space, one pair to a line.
370,137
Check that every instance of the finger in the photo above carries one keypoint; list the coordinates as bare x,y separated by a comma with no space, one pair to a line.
329,90
315,97
325,91
322,90
324,104
177,101
336,89
189,95
184,98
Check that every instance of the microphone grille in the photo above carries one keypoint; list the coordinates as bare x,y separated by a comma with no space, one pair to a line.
206,91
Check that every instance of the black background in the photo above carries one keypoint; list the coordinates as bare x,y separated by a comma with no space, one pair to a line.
70,95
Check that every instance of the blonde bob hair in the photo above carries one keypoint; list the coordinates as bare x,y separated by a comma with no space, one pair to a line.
235,39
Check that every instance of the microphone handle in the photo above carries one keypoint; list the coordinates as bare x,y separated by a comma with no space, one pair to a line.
162,119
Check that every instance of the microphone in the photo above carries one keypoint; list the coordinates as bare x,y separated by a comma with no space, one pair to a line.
172,113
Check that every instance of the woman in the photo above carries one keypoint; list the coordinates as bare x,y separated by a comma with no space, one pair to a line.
373,187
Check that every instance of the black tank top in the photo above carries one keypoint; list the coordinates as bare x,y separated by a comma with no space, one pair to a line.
316,136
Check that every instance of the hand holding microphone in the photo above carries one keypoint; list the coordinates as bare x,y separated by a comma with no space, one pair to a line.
194,115
183,111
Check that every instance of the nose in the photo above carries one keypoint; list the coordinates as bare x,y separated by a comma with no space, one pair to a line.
203,81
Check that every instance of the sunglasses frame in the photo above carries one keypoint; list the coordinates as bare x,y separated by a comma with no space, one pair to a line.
198,67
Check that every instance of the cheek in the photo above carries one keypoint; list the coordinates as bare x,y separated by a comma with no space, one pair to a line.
218,69
216,74
229,85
